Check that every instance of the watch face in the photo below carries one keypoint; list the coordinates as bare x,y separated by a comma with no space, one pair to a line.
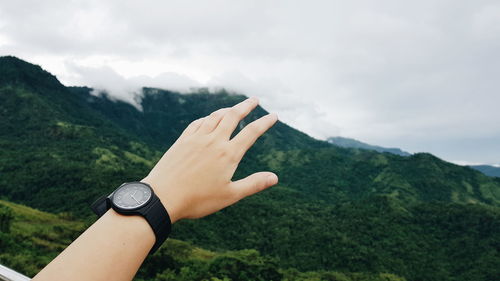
131,196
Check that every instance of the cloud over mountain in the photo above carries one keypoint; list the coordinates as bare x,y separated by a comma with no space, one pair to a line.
418,75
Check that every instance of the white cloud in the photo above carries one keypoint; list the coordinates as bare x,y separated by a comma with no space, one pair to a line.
467,163
105,78
421,75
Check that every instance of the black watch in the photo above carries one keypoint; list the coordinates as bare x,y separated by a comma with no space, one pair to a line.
138,198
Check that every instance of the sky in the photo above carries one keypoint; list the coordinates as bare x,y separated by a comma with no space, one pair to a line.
423,75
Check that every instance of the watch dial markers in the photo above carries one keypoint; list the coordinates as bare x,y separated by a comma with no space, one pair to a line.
132,196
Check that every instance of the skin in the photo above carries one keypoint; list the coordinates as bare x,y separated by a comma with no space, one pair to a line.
192,180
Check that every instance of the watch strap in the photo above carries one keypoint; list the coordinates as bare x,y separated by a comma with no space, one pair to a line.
159,220
101,205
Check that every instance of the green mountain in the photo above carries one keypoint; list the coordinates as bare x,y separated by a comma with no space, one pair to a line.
352,143
488,170
335,209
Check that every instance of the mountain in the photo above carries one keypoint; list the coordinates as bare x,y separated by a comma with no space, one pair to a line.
488,170
335,209
352,143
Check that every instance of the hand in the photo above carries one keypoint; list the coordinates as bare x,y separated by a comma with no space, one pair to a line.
193,178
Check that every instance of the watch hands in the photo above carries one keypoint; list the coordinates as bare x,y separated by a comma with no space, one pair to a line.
132,195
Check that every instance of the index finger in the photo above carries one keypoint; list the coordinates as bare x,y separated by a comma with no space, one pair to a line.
234,115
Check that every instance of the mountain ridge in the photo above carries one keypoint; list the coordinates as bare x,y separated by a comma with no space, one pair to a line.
352,143
488,170
344,142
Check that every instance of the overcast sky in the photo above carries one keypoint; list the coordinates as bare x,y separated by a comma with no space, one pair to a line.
419,75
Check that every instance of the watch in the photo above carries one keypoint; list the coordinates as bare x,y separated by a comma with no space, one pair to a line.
138,198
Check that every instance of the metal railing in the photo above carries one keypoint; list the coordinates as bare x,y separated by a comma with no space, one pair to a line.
7,274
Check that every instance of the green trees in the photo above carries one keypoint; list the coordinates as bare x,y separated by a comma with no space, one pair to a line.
5,218
36,237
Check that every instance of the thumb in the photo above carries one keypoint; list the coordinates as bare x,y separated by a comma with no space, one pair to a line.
254,183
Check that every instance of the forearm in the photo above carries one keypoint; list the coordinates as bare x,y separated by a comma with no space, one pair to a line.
113,248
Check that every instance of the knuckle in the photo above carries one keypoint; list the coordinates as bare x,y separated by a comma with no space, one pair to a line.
194,141
237,153
218,112
228,154
210,140
214,114
194,122
222,153
236,112
253,128
198,121
234,157
234,195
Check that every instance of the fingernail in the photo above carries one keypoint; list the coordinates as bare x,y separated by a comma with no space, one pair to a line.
272,179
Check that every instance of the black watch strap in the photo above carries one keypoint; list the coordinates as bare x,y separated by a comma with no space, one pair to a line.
101,206
159,220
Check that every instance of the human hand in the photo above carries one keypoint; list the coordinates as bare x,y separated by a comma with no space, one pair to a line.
193,178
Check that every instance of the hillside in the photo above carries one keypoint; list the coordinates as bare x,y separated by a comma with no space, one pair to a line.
335,209
488,170
29,239
352,143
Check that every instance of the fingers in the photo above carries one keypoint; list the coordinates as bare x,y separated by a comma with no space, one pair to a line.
211,121
192,127
253,184
247,137
225,121
234,115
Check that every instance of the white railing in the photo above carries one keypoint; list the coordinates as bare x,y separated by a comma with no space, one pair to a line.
7,274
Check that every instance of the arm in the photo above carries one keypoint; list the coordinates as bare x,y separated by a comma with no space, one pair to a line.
192,179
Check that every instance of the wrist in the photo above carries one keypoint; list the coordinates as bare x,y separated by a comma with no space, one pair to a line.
132,228
166,199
